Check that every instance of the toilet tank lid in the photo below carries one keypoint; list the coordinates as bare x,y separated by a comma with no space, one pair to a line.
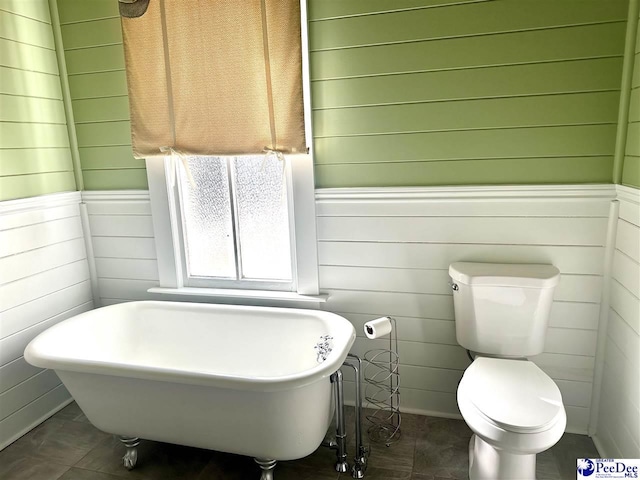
505,274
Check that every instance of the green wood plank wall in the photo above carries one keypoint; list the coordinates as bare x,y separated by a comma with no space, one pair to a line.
446,92
92,39
410,92
34,147
631,166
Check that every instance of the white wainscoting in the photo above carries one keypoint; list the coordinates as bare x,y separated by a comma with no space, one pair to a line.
386,252
618,429
44,278
123,244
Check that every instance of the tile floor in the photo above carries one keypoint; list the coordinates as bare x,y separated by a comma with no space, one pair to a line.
68,447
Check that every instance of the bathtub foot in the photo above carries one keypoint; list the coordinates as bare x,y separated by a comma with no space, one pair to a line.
267,467
131,456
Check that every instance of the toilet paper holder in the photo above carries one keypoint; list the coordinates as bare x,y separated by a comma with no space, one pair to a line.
382,379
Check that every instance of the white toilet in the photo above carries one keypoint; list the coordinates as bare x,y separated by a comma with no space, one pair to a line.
514,409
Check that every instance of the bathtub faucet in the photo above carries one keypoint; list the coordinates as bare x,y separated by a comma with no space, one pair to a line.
323,348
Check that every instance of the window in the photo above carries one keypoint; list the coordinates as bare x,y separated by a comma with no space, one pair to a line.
241,223
235,222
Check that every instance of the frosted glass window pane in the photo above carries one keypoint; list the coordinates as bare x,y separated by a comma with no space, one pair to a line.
207,219
263,217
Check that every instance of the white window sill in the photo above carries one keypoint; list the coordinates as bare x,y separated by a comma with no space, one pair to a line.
239,294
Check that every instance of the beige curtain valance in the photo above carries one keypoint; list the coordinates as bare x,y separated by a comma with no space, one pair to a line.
214,77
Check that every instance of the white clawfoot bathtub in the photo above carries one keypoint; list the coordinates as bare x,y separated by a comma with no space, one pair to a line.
244,380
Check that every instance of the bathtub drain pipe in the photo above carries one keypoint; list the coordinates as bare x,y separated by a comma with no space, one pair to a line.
360,460
339,444
341,435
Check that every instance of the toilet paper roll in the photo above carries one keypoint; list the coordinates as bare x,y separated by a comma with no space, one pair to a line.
377,328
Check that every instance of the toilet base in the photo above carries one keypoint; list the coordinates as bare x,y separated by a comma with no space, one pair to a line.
487,463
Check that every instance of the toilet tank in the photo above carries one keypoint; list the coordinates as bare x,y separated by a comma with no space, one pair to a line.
502,309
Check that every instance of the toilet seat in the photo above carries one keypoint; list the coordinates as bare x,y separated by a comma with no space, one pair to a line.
514,395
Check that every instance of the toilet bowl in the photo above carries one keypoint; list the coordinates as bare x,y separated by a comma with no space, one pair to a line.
515,411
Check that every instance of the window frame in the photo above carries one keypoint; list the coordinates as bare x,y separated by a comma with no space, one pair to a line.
302,214
167,224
